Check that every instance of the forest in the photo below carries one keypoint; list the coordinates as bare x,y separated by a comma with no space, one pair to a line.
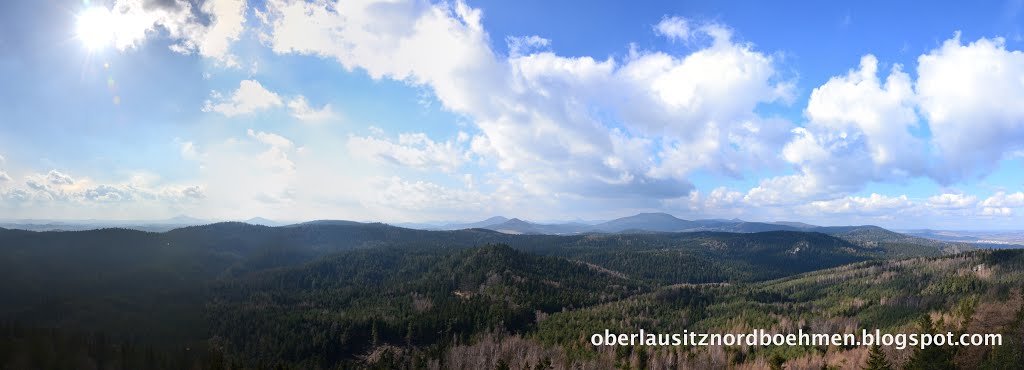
337,294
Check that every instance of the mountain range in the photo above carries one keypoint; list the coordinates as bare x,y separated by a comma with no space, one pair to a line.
642,222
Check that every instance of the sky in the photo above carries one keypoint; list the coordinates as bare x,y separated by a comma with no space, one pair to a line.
840,112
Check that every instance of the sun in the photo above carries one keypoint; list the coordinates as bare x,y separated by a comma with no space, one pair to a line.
96,28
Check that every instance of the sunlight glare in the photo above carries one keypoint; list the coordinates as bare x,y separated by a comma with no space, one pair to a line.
96,28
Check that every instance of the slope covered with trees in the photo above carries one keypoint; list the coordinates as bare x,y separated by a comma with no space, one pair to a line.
336,293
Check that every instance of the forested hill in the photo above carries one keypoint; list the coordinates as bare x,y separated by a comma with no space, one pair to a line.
972,292
217,287
906,244
359,300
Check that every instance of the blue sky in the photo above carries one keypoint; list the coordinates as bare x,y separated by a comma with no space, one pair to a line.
889,113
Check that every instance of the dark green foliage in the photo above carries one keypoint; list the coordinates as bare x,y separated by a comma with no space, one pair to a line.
931,357
776,362
341,294
48,348
877,360
399,296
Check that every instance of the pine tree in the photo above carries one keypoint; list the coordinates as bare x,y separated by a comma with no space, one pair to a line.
931,357
877,360
777,362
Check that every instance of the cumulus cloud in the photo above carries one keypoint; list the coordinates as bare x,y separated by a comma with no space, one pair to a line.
674,28
956,122
996,211
971,96
859,104
858,130
634,127
952,201
57,178
407,195
208,29
301,110
227,20
55,189
194,192
1002,204
875,203
4,177
605,128
250,97
412,150
279,148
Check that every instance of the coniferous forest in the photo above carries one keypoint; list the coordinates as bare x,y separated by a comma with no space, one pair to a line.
332,295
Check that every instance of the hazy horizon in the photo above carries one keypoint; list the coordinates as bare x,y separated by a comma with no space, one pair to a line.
435,223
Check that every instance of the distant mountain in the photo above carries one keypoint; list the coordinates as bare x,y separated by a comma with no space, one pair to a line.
795,224
264,222
476,225
517,226
870,236
898,244
647,222
656,222
334,223
417,225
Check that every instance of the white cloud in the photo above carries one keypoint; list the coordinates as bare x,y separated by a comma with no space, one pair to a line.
860,104
1002,199
722,198
300,109
971,96
522,45
193,192
55,191
250,97
560,125
858,131
873,204
396,193
210,29
996,211
412,150
584,129
674,28
861,129
4,178
952,201
228,20
279,148
271,139
57,178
